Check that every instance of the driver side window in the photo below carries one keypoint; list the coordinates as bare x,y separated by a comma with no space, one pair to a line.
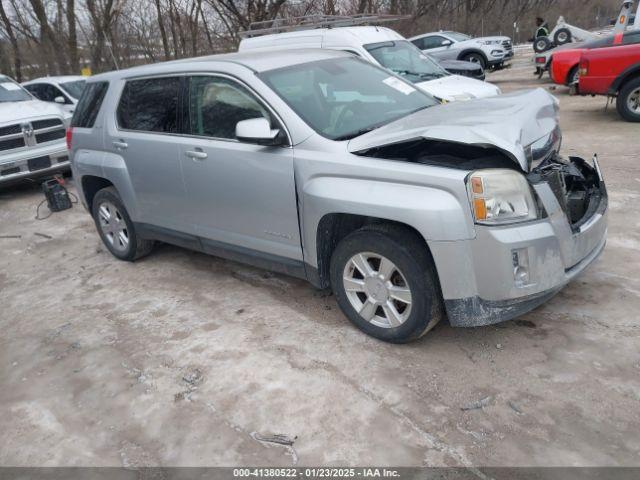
217,104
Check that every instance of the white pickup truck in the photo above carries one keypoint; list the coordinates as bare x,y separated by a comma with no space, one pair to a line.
32,135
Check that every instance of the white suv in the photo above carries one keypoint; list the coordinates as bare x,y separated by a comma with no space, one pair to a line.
32,135
490,52
380,46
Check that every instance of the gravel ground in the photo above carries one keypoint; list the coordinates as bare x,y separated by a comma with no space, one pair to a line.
185,359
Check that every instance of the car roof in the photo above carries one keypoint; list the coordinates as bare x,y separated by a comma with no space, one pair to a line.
56,79
257,61
345,36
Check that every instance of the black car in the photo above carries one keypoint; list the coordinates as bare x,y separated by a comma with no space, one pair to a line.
466,69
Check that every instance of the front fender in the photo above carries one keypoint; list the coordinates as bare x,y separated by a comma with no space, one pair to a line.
435,213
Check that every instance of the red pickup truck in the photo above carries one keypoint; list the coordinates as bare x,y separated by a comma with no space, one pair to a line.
615,72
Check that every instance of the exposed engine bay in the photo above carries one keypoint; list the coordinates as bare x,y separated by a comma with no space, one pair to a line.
576,185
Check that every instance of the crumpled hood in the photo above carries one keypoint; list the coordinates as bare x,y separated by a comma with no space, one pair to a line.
15,112
509,122
456,87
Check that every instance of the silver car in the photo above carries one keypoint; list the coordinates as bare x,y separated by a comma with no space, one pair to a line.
489,52
323,166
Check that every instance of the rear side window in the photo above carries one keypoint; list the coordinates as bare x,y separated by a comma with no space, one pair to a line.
150,105
89,105
631,38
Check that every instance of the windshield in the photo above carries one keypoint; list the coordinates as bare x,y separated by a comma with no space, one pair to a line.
74,88
10,91
405,59
346,97
458,37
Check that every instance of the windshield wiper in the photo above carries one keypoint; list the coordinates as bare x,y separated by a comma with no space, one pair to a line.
419,74
351,135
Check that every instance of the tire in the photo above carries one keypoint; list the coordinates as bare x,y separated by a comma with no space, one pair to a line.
562,36
476,58
628,101
387,314
116,228
542,44
573,76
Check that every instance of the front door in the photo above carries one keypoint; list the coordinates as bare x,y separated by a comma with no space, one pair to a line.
433,45
239,194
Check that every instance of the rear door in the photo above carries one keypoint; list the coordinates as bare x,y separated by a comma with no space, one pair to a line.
144,134
239,194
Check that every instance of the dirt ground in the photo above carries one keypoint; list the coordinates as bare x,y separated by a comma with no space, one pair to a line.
185,359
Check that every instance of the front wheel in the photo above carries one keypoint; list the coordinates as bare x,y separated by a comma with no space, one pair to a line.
476,58
385,282
116,228
628,101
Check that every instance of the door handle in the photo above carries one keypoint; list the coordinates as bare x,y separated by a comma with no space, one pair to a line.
120,145
196,155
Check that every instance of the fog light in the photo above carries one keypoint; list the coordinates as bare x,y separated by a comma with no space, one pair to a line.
520,260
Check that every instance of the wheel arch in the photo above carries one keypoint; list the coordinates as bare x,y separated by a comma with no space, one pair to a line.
333,227
91,184
628,74
468,51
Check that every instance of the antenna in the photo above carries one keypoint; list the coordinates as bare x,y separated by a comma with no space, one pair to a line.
310,22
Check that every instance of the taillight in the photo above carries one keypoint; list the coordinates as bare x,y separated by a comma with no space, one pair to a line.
584,67
69,137
541,60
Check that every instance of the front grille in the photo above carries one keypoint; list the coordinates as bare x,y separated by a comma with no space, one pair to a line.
48,122
507,45
9,171
49,136
11,144
10,130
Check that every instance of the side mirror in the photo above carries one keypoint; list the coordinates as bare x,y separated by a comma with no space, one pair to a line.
257,130
60,100
446,43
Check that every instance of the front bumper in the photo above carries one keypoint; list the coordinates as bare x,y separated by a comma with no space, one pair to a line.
477,276
22,165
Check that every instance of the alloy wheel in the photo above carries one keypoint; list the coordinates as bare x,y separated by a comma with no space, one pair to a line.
633,101
113,226
377,290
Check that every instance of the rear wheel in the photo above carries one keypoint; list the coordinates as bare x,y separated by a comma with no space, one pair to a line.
573,76
628,101
476,58
385,282
542,44
116,228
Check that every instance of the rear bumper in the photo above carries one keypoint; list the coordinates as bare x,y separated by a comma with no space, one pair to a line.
478,276
15,167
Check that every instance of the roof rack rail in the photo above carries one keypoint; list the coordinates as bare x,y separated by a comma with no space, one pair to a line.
309,22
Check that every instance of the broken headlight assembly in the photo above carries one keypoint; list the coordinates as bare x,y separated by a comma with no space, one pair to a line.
500,196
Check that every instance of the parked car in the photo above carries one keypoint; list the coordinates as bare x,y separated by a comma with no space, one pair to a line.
64,90
615,72
544,60
324,166
489,52
565,66
384,47
32,135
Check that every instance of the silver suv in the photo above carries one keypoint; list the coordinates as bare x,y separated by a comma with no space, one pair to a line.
323,166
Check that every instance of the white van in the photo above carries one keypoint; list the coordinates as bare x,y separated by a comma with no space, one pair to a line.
381,46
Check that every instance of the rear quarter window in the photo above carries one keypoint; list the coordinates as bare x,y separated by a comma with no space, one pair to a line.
89,105
150,105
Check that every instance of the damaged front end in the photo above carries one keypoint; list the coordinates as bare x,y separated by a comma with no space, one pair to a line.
577,186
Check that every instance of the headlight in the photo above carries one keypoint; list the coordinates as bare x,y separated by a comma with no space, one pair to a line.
492,42
500,196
